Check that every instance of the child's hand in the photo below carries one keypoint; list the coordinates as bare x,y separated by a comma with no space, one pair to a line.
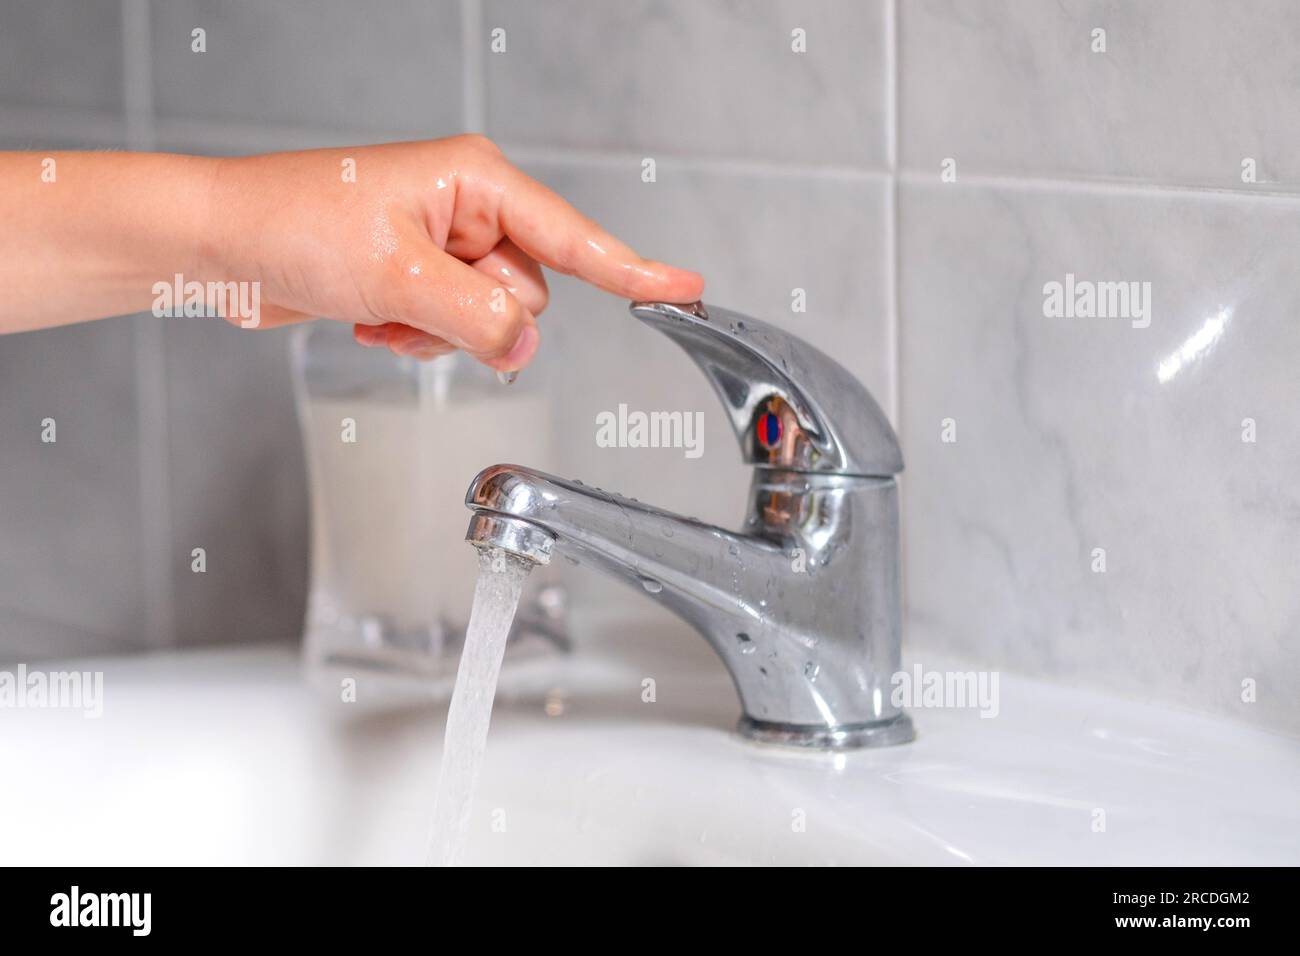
435,246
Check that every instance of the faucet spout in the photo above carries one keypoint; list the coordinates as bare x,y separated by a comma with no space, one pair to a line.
676,560
809,640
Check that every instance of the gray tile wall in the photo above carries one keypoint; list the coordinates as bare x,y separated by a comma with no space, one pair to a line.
1080,434
70,509
775,170
1185,90
391,68
677,77
1073,435
61,55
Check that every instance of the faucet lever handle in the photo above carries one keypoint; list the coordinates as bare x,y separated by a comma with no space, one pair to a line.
791,405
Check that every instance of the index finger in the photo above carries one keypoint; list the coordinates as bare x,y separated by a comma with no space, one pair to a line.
550,230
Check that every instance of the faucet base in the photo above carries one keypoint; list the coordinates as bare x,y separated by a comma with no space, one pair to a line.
846,737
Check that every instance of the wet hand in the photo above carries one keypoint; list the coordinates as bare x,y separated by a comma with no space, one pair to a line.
426,247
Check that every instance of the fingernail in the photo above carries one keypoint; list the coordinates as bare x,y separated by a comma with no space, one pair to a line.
522,351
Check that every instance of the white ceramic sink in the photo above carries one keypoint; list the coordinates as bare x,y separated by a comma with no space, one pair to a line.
226,757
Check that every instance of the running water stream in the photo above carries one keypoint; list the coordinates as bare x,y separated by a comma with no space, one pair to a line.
501,577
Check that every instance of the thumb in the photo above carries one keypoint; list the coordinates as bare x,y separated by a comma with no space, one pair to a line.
452,300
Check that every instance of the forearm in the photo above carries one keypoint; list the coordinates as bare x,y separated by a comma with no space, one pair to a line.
89,234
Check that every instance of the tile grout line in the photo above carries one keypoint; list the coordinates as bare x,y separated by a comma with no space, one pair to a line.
894,275
202,134
584,156
894,319
473,80
1117,187
150,379
137,78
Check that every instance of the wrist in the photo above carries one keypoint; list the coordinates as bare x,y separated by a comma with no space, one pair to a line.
139,218
157,215
211,198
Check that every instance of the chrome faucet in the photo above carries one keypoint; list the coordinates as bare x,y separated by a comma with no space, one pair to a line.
803,604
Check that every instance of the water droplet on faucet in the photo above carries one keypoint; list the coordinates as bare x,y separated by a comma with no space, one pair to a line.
746,644
651,585
811,670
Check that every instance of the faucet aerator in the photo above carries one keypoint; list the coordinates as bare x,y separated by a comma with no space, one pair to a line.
488,531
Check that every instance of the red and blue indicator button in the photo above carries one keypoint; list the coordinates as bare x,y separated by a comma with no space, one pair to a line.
769,430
